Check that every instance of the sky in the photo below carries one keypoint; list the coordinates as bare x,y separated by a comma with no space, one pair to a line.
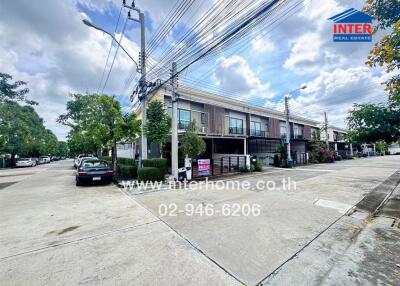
47,45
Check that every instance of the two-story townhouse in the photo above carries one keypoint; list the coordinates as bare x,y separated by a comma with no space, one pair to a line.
337,138
231,127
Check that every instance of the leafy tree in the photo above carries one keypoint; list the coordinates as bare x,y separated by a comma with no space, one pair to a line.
386,51
63,149
22,132
375,122
381,146
191,143
12,92
158,125
97,121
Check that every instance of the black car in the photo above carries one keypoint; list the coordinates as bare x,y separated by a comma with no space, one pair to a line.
94,171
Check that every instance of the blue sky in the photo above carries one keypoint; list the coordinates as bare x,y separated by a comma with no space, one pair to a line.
48,46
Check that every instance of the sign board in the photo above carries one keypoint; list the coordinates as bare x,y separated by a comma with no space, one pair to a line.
204,167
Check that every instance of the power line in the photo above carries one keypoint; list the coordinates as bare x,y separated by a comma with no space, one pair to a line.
109,51
115,55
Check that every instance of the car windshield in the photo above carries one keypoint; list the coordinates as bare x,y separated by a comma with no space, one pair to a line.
23,159
94,164
42,157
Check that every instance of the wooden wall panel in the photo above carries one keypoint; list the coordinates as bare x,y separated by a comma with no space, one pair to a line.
307,132
274,127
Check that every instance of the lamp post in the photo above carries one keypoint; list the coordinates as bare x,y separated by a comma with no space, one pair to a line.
288,124
90,24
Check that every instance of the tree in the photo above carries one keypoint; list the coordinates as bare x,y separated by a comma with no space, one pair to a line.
97,121
12,92
386,51
191,143
375,122
158,125
23,133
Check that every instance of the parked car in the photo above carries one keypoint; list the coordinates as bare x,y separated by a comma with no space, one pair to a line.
55,158
77,159
44,159
25,162
92,170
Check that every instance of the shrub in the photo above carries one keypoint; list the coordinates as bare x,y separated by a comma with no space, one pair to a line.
158,163
150,174
127,171
259,165
126,161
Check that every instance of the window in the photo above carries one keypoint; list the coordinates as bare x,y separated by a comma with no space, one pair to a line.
283,129
235,126
183,118
203,118
255,128
298,131
169,111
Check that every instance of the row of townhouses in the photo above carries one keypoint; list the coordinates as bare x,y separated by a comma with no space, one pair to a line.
231,128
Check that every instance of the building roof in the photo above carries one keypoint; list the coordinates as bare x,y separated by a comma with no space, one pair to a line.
352,16
191,94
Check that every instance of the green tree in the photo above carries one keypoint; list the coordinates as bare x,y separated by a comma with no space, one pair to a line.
22,132
13,92
386,52
191,143
158,125
374,122
63,149
97,121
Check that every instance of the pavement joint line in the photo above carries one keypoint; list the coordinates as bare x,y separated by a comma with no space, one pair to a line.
187,240
77,240
277,269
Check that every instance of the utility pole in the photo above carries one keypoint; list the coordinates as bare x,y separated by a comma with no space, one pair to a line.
326,131
142,81
174,136
287,127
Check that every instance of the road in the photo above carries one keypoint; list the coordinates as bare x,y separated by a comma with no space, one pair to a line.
54,233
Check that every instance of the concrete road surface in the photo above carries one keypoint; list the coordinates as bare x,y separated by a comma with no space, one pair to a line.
53,233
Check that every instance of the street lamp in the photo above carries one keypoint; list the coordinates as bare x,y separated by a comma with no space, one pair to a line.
90,24
287,122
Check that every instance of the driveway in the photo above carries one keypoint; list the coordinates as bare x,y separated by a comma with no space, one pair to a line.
54,233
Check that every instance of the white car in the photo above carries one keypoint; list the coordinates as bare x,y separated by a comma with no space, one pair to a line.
44,159
77,160
25,162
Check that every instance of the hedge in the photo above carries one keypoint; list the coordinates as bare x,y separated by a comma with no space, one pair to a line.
126,167
127,171
123,161
150,174
158,163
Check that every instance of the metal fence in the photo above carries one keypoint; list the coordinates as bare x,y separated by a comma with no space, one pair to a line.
220,166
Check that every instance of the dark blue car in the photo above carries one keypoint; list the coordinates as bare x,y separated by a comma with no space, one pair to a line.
94,171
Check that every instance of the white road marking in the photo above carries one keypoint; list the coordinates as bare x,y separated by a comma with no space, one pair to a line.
340,207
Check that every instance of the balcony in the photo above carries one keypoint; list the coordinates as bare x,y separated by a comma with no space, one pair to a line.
183,125
297,136
257,133
236,131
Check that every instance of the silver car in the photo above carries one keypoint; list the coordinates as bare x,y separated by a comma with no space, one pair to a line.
25,162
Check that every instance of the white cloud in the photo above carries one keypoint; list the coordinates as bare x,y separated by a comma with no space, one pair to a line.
52,50
335,93
262,44
313,49
235,74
